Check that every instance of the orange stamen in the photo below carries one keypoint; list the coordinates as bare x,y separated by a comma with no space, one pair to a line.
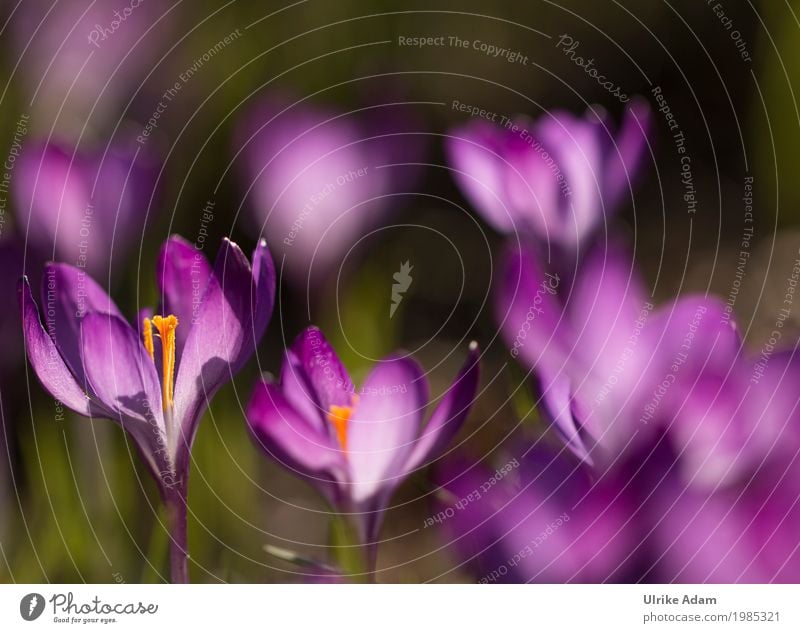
339,417
147,334
166,331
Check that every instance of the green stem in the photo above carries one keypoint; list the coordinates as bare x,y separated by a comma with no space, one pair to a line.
178,546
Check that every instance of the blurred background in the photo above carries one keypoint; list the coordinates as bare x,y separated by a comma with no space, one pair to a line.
194,100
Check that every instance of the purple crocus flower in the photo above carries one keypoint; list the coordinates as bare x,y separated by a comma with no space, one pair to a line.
89,357
543,517
83,60
738,531
83,207
356,446
539,517
614,371
607,361
318,180
730,535
557,178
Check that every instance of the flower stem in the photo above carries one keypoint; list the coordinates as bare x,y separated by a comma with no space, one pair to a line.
178,550
371,561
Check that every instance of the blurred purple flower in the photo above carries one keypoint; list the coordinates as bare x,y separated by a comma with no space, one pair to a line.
356,447
550,519
541,518
92,360
617,375
317,179
557,178
83,59
729,535
612,369
84,208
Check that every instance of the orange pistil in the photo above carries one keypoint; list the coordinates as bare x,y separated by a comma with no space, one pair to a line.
339,417
166,331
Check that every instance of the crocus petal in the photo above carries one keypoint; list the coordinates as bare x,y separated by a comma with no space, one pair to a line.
626,155
182,276
728,536
384,425
696,327
264,300
52,197
123,378
577,148
45,358
449,415
293,155
609,309
568,421
301,394
288,437
84,206
318,367
127,193
709,427
775,402
529,312
119,371
534,189
221,337
74,86
69,293
476,152
552,519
